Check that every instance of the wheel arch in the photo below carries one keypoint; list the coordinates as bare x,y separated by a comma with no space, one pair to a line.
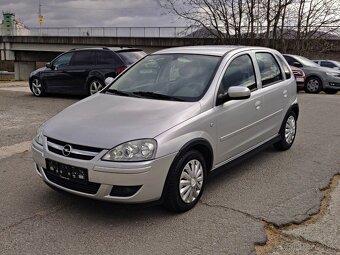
201,145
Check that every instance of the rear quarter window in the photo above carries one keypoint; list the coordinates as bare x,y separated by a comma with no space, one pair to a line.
130,57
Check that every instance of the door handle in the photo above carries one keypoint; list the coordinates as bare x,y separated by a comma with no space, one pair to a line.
257,105
285,93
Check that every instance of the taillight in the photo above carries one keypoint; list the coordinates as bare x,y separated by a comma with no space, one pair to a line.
120,69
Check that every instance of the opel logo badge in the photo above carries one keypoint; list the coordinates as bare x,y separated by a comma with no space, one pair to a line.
67,150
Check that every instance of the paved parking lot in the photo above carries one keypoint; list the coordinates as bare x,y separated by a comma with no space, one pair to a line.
239,208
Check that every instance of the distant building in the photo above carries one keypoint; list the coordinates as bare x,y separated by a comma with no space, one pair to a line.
12,26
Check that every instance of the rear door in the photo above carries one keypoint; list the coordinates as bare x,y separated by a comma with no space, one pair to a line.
238,121
276,91
108,63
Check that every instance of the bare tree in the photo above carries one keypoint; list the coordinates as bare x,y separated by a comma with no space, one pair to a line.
232,21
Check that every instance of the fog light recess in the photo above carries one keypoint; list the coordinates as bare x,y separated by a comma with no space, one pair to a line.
124,191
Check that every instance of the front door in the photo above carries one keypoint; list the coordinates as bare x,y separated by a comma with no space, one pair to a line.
56,78
239,125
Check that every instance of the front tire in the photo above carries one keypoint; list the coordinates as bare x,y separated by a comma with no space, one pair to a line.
287,133
37,87
313,85
186,181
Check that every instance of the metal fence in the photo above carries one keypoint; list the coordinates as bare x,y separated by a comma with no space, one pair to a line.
100,31
332,32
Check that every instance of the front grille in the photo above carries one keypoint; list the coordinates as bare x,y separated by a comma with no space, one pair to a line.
89,187
77,151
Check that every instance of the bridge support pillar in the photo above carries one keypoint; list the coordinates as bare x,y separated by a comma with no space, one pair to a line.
22,69
5,52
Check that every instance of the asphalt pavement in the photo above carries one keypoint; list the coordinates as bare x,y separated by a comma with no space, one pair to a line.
263,202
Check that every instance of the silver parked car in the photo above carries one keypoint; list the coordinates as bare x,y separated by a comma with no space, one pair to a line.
159,129
317,78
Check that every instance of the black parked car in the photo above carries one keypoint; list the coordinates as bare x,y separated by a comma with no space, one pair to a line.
82,71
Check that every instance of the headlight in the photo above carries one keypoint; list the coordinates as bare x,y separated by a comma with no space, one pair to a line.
39,138
333,74
137,150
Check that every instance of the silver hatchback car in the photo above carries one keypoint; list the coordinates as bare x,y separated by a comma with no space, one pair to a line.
158,130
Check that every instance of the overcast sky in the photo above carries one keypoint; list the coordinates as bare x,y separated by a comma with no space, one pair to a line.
90,13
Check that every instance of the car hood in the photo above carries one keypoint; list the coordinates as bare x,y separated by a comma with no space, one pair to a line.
105,121
38,70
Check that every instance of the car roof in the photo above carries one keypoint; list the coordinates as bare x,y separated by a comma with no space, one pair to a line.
214,50
115,49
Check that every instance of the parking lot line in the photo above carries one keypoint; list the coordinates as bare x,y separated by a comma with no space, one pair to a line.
8,151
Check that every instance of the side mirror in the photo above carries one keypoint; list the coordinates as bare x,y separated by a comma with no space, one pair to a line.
108,80
238,93
297,64
234,93
49,65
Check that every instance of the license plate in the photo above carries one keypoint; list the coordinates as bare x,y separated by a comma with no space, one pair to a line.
300,79
71,173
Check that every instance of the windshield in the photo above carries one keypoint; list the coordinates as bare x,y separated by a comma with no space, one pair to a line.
182,77
305,61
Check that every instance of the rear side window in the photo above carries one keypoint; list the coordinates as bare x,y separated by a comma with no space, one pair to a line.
240,72
81,58
130,57
107,58
327,64
269,69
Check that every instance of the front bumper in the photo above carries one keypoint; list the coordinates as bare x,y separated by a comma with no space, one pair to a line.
150,175
332,83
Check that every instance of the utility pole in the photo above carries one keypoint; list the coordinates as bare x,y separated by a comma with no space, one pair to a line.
41,18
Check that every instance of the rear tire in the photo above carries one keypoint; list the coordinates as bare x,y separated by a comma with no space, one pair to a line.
313,85
37,87
95,86
186,181
287,133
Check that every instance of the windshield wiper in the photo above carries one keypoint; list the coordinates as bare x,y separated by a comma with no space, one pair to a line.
156,95
120,92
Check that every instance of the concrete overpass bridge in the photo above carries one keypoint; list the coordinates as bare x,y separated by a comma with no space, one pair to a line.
27,53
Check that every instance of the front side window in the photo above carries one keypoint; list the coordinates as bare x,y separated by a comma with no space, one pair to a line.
63,60
185,77
240,72
269,69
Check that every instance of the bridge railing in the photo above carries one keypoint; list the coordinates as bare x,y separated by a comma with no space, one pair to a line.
327,32
101,31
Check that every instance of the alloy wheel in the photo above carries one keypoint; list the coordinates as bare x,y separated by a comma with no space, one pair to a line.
36,87
95,87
